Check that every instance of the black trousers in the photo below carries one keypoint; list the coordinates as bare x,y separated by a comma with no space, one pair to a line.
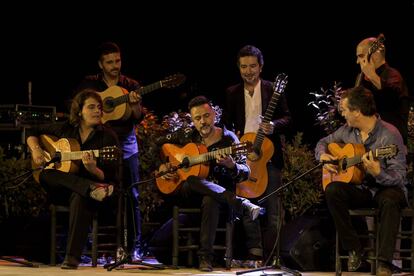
64,188
213,197
341,197
262,234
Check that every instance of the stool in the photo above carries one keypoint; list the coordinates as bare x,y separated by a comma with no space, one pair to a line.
95,249
190,246
404,234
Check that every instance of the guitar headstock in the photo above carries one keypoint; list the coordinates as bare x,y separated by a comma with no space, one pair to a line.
242,148
386,152
110,153
280,83
378,44
173,80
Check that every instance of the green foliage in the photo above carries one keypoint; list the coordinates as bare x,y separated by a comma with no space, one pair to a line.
307,191
18,198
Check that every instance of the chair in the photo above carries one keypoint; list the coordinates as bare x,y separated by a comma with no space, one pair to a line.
101,232
189,234
404,254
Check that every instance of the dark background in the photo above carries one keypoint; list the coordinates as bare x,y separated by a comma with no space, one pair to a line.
54,47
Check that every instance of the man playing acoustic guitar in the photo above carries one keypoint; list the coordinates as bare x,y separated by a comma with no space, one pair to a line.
110,62
246,103
92,181
223,174
383,185
385,82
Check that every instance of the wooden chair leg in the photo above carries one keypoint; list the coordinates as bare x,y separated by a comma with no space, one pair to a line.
175,236
52,235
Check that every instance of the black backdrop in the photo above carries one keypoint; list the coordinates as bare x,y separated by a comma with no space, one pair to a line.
54,46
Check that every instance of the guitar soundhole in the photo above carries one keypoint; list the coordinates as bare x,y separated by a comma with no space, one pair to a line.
108,105
253,156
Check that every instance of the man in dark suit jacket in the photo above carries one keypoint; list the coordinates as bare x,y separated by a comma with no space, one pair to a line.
246,102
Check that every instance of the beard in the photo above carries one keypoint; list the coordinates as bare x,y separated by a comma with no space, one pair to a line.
205,130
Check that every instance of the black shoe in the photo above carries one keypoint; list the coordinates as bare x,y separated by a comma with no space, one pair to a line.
354,260
70,262
204,264
251,209
136,254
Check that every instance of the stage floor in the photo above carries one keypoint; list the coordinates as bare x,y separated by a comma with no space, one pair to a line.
7,269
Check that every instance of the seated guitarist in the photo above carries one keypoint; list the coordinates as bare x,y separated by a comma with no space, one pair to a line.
93,183
217,189
383,186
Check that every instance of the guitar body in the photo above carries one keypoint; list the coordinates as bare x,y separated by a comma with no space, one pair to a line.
51,145
111,111
256,184
116,100
353,174
175,156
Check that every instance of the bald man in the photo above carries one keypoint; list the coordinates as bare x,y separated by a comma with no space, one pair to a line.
386,83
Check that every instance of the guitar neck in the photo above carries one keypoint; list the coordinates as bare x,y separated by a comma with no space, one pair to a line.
352,161
208,156
359,79
142,91
75,155
266,119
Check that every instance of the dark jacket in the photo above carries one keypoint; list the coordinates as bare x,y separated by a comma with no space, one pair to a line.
234,115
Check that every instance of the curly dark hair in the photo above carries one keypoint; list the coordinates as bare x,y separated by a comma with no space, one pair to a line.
78,102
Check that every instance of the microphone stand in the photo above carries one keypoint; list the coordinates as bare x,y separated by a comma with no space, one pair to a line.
125,257
278,191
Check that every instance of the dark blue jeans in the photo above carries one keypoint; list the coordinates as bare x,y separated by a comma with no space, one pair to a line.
130,175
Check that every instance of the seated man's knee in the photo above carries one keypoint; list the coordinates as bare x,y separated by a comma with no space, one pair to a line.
334,189
209,202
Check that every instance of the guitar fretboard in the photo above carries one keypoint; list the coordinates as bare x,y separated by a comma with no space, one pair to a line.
142,91
202,158
75,155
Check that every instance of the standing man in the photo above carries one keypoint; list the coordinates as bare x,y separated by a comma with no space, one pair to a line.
386,83
246,102
109,61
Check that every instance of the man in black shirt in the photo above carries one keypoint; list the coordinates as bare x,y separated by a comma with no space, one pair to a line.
224,172
386,83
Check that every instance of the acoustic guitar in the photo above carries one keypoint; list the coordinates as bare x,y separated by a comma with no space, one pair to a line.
67,153
115,98
192,160
378,44
350,169
263,149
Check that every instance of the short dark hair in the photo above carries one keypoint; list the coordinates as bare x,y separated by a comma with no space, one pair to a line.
108,48
362,99
197,101
78,102
250,50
